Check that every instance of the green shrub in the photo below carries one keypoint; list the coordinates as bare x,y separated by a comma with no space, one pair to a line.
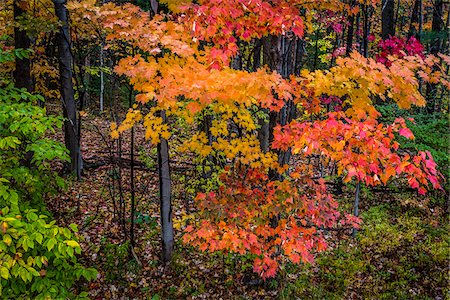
37,257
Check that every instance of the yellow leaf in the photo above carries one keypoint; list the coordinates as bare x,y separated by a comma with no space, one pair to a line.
73,244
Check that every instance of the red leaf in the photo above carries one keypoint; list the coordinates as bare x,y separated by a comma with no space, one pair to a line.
406,132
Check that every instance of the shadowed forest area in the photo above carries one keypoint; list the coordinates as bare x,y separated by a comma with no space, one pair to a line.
235,149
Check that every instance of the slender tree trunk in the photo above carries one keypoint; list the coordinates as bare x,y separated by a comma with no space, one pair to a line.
165,197
435,48
357,29
263,131
387,19
356,205
367,15
86,81
415,19
22,73
436,26
132,182
419,33
71,133
279,55
102,82
351,21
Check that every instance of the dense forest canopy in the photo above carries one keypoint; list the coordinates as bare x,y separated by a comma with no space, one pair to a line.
215,149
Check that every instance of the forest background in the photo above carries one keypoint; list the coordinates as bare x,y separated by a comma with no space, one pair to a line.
224,149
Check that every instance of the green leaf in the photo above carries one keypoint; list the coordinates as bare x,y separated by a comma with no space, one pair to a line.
74,227
39,238
7,239
50,244
4,272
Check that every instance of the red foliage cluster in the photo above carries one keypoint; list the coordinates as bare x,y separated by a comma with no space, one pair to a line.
224,22
398,47
273,220
333,101
365,150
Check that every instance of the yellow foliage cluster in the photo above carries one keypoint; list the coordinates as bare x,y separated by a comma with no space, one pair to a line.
358,80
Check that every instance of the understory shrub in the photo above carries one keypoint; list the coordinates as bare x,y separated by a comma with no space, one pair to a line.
37,258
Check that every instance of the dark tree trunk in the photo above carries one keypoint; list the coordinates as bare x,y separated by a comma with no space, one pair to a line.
351,21
435,47
165,198
132,182
387,19
356,206
416,18
279,54
366,30
436,26
271,58
71,134
22,73
257,55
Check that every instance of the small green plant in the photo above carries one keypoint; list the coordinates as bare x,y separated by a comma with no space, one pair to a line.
116,259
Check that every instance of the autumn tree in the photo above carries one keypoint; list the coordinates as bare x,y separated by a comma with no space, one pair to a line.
181,68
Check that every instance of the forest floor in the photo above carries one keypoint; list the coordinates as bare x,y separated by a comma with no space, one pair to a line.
353,268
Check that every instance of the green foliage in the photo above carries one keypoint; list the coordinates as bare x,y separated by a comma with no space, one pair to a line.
37,257
397,255
116,259
27,153
11,55
430,131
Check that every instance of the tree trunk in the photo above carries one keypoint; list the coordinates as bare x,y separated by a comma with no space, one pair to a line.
435,47
356,206
132,182
280,55
436,26
71,134
351,21
416,18
165,198
22,73
102,82
387,19
366,32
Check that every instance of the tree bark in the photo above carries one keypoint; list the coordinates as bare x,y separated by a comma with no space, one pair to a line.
433,104
365,46
22,73
165,198
387,19
280,55
102,82
351,21
71,134
436,26
416,18
356,206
